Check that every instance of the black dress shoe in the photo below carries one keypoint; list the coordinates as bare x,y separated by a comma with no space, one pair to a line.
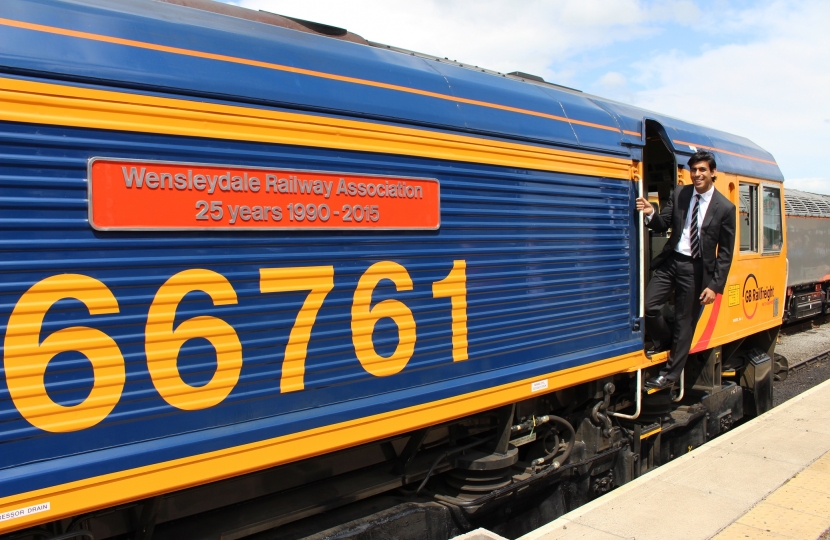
658,383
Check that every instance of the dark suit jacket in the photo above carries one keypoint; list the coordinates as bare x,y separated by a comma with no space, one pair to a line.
717,234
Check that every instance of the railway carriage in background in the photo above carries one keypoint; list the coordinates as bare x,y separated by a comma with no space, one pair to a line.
808,245
264,278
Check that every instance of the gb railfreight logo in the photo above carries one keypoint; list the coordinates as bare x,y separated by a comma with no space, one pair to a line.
753,294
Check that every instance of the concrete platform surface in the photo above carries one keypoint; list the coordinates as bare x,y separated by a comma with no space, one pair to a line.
769,478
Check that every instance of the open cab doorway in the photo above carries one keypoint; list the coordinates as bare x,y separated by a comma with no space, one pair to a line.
660,179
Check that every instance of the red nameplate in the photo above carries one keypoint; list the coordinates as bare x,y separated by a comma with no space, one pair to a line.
156,195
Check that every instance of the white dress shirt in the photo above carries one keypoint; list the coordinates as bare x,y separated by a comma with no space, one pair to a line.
684,245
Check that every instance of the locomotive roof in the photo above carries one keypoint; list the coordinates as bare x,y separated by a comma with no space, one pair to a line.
803,204
154,46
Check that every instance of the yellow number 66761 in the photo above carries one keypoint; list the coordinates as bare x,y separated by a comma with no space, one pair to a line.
26,357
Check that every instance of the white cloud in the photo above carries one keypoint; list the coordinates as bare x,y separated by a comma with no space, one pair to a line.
681,11
613,79
772,90
811,185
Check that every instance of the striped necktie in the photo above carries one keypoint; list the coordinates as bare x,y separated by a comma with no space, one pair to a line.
693,233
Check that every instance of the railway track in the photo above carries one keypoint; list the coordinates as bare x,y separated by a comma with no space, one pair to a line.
816,358
802,326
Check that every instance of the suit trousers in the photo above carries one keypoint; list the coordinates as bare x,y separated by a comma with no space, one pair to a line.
683,275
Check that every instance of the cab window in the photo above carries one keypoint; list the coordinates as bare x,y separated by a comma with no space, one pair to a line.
748,217
773,236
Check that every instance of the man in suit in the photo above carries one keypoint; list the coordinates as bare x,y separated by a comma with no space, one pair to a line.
694,262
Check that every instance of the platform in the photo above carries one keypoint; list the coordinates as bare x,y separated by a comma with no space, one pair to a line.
769,478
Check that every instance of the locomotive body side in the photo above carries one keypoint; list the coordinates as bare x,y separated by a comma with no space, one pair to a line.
548,294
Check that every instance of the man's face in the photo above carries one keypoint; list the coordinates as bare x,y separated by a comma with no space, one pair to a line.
702,176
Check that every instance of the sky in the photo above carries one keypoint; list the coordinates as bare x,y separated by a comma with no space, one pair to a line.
760,69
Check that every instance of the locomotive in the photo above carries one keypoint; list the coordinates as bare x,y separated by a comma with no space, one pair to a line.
263,278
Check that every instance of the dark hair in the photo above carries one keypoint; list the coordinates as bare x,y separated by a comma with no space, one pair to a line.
703,155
